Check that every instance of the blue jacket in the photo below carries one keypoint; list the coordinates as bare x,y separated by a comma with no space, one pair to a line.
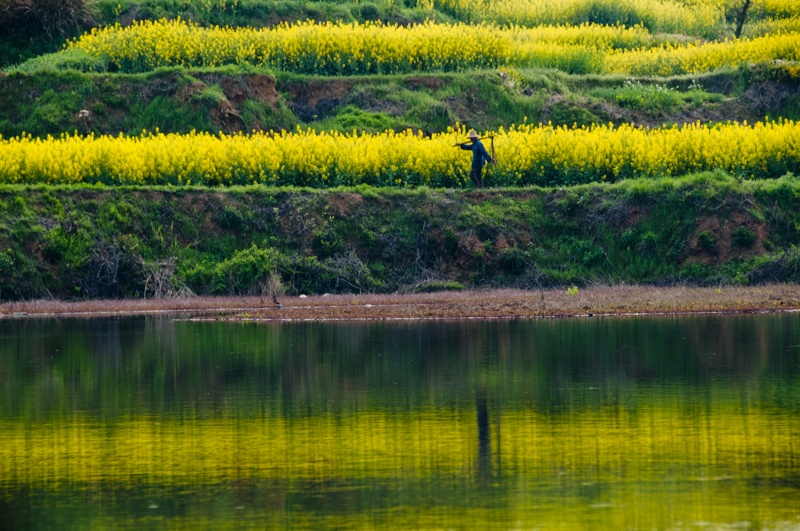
479,154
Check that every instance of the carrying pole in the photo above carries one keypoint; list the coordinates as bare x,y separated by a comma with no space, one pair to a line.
481,138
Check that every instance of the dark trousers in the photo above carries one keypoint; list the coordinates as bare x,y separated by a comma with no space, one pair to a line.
475,175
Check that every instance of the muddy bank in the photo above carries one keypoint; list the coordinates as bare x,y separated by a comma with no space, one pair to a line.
480,304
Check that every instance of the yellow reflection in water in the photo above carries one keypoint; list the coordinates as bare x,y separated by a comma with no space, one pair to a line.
659,466
610,443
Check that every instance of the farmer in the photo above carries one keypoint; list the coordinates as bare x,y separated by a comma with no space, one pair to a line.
479,157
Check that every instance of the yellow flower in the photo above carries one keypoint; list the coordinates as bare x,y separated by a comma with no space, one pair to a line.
343,49
543,155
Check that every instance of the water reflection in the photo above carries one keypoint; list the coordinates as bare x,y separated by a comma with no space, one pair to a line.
610,423
484,437
552,366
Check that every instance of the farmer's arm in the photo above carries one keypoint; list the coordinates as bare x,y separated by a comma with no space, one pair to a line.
466,146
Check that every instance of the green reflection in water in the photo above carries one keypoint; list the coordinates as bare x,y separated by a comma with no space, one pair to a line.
607,423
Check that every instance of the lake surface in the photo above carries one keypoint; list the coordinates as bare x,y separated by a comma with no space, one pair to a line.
619,423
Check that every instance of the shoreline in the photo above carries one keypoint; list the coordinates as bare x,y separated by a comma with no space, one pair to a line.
592,301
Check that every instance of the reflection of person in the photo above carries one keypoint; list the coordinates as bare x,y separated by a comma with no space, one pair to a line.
484,437
479,157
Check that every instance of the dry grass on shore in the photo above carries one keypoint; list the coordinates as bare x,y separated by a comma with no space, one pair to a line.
479,304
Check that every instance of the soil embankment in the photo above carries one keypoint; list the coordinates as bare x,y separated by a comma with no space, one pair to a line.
234,101
127,243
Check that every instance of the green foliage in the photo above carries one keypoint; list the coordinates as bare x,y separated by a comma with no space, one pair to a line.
230,218
369,12
697,96
63,60
248,271
211,96
39,107
706,241
434,285
327,244
162,113
68,247
17,205
513,261
15,51
258,115
7,270
258,240
50,116
651,97
166,100
20,277
30,19
743,236
31,28
648,242
783,266
696,273
658,98
351,118
6,263
434,117
451,239
610,14
571,114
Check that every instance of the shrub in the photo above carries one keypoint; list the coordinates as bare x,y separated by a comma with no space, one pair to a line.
438,285
64,60
250,271
743,236
51,17
706,241
370,12
351,118
634,95
570,114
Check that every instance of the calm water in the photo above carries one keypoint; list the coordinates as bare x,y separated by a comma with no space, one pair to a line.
637,423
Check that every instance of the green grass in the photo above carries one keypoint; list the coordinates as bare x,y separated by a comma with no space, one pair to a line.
655,97
90,242
179,100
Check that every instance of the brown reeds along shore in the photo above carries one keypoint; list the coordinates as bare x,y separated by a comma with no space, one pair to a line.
480,304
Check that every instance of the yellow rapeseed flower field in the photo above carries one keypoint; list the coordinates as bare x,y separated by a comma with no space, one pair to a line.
540,155
344,49
763,5
695,58
702,18
770,26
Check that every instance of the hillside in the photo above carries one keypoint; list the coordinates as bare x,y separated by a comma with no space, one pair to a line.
598,64
52,91
80,242
232,100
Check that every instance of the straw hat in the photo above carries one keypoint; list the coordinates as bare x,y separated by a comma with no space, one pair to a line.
472,134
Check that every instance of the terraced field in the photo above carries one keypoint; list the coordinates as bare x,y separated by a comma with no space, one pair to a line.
320,95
